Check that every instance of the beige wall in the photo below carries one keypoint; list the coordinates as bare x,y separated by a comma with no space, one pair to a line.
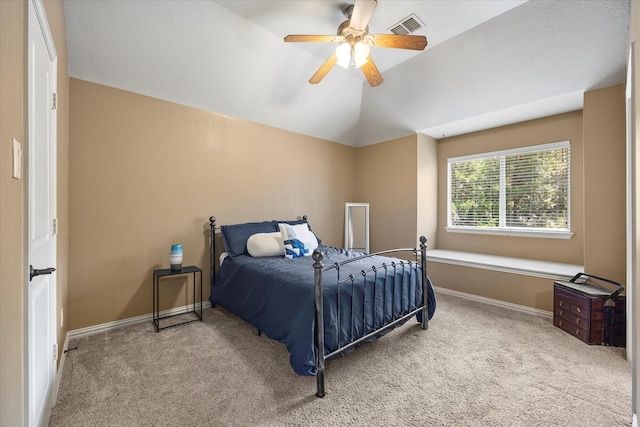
387,180
517,289
427,195
398,178
605,183
145,173
12,125
13,265
597,190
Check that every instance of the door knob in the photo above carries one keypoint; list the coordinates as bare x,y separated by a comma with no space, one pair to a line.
33,272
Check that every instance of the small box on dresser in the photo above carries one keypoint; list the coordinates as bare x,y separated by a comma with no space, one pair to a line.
590,313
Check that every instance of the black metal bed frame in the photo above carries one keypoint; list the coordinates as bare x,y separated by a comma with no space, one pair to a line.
319,269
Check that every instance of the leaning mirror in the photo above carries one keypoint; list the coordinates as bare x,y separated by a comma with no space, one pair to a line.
356,227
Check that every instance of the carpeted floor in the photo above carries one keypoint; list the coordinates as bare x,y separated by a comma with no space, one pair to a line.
477,365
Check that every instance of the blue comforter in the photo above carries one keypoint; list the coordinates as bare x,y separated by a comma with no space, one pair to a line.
276,295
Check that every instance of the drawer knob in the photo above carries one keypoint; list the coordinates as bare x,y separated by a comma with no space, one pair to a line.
560,323
578,309
561,312
561,303
577,331
578,321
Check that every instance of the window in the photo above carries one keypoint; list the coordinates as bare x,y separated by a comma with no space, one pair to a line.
523,191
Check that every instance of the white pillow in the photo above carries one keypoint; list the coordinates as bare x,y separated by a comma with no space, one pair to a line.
298,240
265,244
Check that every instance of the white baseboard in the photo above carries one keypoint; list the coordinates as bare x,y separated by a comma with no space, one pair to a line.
60,367
90,330
503,304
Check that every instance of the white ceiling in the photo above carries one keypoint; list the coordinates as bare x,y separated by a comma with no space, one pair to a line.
488,63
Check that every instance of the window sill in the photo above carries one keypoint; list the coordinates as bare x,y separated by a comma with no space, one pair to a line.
527,267
512,232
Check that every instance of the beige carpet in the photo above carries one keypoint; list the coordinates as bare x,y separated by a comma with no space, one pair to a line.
477,365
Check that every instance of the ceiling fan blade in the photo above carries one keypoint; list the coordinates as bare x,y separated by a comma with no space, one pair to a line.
362,11
312,38
399,42
371,73
324,69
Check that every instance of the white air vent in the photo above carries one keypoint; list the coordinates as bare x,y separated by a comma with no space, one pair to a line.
408,25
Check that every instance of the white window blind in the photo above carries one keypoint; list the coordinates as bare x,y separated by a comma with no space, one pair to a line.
522,189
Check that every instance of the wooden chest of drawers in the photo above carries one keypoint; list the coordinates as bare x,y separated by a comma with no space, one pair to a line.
590,316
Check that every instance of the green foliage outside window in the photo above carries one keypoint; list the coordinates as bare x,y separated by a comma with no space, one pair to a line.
475,190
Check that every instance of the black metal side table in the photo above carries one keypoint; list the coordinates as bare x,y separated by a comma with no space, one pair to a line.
157,274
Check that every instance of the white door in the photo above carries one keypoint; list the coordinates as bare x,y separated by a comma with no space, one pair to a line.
41,202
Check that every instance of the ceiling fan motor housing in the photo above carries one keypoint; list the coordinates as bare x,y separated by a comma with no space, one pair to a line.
348,11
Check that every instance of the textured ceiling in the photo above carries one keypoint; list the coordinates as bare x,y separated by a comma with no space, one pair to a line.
488,63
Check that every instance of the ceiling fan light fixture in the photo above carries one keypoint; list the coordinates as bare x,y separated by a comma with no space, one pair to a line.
352,56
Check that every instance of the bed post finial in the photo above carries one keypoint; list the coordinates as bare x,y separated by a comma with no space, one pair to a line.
319,330
212,250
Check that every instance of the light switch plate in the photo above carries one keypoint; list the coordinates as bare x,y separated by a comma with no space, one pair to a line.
17,159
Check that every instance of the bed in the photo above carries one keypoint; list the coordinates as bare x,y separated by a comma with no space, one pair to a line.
320,301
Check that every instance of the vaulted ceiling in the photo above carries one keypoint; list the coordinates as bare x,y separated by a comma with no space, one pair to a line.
488,63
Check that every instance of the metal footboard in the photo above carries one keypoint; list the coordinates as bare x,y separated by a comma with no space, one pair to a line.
380,326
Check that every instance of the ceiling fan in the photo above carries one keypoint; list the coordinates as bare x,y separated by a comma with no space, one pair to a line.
355,43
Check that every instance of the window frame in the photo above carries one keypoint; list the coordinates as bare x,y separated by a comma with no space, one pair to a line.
510,231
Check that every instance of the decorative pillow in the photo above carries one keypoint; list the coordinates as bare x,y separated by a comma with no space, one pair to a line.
235,236
265,244
297,222
298,240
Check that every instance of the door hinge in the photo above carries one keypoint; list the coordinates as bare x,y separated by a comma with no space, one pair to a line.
55,101
55,226
55,351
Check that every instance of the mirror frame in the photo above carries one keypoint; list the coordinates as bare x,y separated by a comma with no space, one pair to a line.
347,224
